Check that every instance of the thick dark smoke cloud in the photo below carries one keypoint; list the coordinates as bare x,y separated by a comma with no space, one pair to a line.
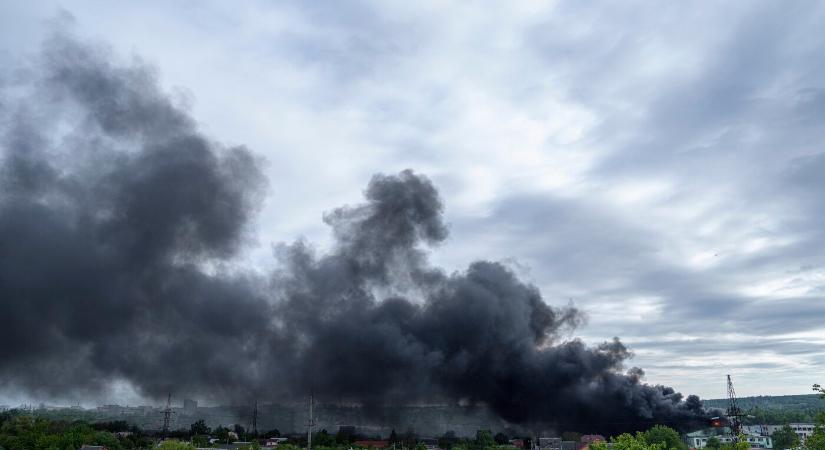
119,225
373,321
116,216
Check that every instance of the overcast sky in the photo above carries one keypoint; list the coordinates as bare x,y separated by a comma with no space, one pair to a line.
658,164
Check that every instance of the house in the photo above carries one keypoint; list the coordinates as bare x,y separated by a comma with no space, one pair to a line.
550,443
588,439
569,445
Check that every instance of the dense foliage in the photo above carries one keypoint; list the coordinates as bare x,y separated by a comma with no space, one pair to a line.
659,437
667,436
785,438
817,440
19,432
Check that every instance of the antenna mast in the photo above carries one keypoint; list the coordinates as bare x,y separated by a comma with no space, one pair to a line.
734,413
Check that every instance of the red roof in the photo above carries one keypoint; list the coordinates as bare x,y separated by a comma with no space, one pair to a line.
373,444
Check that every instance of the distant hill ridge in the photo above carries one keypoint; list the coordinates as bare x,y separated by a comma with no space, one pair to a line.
775,408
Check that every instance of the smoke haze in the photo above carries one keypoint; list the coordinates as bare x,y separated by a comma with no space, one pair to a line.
119,225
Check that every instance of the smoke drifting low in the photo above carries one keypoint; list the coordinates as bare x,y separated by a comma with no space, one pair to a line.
119,225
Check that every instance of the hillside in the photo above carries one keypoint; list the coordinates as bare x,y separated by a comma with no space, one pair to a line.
776,409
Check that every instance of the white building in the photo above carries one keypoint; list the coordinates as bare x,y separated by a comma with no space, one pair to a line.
699,439
803,430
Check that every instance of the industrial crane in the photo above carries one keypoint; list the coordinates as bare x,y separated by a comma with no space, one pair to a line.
733,412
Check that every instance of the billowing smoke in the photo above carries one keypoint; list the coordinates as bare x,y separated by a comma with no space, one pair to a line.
120,228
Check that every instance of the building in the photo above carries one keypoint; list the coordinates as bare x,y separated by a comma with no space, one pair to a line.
550,443
588,439
569,445
110,409
699,439
275,441
803,430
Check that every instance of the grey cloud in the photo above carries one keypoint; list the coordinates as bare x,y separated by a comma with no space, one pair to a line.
715,346
617,261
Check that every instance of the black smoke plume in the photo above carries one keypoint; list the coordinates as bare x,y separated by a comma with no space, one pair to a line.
120,229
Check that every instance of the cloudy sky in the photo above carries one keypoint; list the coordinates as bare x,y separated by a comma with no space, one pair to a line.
659,165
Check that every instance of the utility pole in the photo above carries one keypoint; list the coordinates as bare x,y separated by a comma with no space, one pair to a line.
167,415
310,424
255,419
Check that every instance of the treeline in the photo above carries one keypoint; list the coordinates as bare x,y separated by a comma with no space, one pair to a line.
22,432
757,415
775,409
19,431
657,438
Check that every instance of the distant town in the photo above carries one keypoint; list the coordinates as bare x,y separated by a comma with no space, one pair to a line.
292,426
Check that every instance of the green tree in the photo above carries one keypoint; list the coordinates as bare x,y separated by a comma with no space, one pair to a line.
323,439
627,441
816,441
175,445
785,438
484,440
713,443
448,440
740,444
200,441
221,433
107,440
667,436
199,427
